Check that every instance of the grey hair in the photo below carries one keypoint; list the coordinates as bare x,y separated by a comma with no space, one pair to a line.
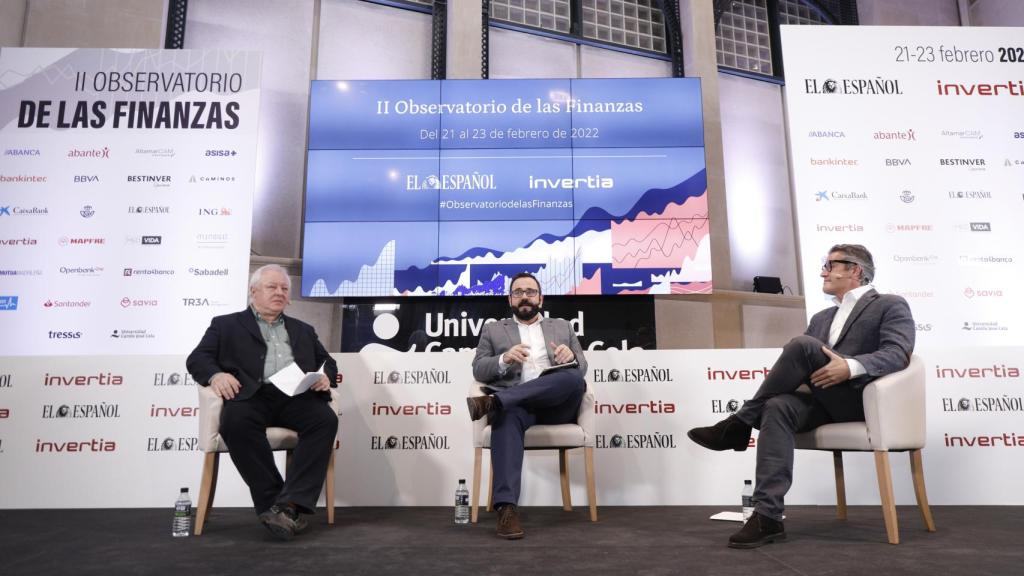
860,256
258,275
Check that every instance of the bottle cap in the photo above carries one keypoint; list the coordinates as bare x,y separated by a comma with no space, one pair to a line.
747,482
184,490
462,480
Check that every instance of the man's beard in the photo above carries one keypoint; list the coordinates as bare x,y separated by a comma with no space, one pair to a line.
525,311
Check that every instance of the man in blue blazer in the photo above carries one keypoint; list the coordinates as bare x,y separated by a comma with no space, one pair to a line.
510,357
818,378
238,354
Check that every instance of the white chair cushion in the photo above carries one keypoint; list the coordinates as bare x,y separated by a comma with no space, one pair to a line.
842,436
546,436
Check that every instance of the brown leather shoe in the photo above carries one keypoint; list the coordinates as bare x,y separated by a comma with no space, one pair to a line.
729,434
479,406
509,527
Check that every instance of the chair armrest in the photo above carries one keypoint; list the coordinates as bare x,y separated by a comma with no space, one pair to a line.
894,409
476,389
209,419
586,418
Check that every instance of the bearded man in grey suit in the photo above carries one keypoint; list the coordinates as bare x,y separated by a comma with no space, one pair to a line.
510,358
819,378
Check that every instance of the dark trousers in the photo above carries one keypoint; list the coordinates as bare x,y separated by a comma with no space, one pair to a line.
779,412
551,399
243,426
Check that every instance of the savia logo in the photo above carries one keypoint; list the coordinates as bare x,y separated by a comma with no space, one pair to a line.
876,86
896,135
101,153
8,303
87,211
127,302
972,293
655,441
907,196
418,442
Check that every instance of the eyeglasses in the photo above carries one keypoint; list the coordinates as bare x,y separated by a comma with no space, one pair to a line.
827,266
530,292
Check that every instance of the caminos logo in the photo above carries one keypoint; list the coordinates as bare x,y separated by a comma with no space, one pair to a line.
66,241
427,409
8,303
22,211
210,179
474,181
654,441
580,183
173,379
645,408
970,292
826,195
970,195
173,411
640,375
87,211
896,135
412,377
127,302
906,196
220,154
419,442
85,179
99,153
101,410
897,162
172,444
876,86
98,379
995,371
22,152
826,134
1004,403
1010,88
962,134
208,272
89,445
214,212
67,304
835,162
22,179
149,209
64,334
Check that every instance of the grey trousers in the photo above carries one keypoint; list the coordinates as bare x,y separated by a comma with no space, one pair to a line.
779,412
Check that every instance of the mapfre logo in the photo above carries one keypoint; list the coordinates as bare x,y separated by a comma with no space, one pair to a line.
645,408
90,445
69,241
876,86
427,409
896,228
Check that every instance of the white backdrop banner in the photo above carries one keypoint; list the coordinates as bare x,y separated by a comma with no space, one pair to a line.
126,183
120,431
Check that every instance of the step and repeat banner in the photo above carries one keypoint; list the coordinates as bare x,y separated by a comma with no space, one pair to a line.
95,431
126,183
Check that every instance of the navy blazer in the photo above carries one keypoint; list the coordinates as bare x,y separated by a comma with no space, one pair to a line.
234,344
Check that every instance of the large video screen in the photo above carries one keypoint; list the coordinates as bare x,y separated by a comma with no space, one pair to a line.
451,187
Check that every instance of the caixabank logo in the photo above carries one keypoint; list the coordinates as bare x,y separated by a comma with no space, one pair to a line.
398,377
172,444
636,441
633,375
1005,404
418,442
94,411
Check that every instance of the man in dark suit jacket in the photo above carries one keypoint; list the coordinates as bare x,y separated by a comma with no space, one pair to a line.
237,355
510,357
818,378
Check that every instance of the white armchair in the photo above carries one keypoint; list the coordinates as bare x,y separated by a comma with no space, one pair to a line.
894,413
561,437
213,445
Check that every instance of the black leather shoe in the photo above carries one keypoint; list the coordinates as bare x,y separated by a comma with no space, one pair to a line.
301,525
758,531
729,434
278,522
480,406
509,527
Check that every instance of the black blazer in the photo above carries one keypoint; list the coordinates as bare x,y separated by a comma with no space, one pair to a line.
233,344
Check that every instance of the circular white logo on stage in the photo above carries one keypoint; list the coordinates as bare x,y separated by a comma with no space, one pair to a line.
385,326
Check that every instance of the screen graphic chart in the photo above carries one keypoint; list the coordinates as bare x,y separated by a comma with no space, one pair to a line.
451,187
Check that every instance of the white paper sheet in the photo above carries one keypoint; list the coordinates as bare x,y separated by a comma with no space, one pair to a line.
291,380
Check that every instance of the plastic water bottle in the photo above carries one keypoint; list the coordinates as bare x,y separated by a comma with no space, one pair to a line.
748,499
462,503
182,525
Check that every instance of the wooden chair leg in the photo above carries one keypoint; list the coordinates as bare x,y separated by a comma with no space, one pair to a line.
563,472
588,453
837,460
490,488
917,471
888,501
329,490
478,457
206,488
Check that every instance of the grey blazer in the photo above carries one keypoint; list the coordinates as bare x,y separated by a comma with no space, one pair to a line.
879,334
497,337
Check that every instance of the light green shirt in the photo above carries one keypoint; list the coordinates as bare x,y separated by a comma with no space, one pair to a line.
279,349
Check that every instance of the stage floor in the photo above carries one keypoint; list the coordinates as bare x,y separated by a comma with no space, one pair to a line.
975,540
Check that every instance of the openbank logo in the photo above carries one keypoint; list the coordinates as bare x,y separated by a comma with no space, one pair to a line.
173,379
419,442
1010,88
580,183
81,270
149,209
11,272
172,444
22,152
645,375
839,228
155,152
655,441
143,240
826,134
132,334
970,195
427,409
214,212
213,241
20,211
966,259
876,86
66,241
91,445
78,411
102,153
208,272
970,326
8,303
127,302
915,258
835,161
67,304
970,292
896,228
962,134
210,179
826,195
1004,403
22,179
412,377
474,181
128,272
1005,440
645,408
896,135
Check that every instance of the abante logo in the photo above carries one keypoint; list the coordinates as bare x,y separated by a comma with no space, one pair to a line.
173,411
428,409
89,445
103,153
651,407
876,86
993,371
100,379
1010,88
896,135
421,442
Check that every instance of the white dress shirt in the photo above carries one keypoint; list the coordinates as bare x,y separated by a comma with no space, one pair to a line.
845,308
533,336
